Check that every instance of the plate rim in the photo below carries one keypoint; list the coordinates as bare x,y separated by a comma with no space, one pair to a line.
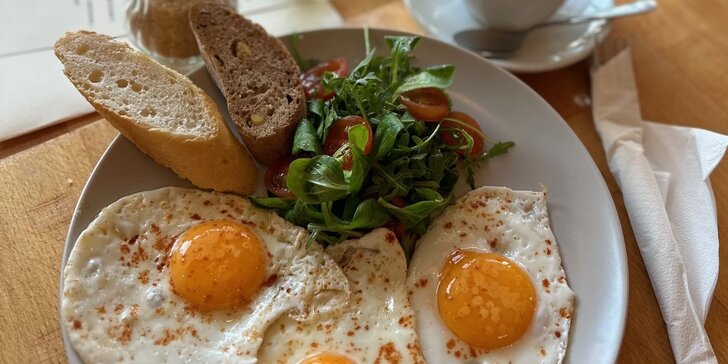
619,234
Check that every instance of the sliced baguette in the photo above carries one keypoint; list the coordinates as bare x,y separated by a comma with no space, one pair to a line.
257,75
159,110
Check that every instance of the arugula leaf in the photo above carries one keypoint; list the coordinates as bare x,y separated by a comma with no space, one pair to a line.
316,106
319,233
386,135
358,136
359,170
304,214
331,117
330,219
355,96
407,119
395,183
362,67
436,164
316,180
305,139
441,77
420,127
401,45
427,194
419,142
369,214
350,205
400,48
272,202
412,214
498,149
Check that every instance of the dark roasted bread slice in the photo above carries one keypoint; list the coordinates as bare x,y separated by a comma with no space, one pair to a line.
257,75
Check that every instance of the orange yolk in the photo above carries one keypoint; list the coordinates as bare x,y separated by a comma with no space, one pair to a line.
217,265
485,299
327,358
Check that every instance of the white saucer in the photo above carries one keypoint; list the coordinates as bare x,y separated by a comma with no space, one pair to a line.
544,49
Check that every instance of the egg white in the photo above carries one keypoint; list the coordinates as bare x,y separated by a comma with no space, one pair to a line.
514,224
377,323
117,304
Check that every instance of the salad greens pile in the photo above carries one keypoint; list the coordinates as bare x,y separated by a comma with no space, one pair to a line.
409,174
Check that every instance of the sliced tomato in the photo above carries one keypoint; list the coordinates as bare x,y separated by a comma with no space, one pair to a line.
462,121
427,104
275,177
311,79
339,136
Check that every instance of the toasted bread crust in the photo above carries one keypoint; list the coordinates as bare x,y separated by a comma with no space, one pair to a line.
209,157
257,75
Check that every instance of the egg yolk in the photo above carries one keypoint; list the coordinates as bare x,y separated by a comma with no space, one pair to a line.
217,265
327,358
485,299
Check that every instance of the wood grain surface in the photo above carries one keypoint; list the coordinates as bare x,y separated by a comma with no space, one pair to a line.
680,54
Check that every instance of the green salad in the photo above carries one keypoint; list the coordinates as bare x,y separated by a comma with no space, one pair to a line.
380,147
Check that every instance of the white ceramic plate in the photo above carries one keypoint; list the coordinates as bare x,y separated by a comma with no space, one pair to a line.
544,49
547,152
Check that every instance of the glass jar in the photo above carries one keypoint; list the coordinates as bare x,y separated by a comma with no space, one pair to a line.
161,29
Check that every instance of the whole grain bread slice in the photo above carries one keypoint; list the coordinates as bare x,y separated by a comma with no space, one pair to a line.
257,75
161,111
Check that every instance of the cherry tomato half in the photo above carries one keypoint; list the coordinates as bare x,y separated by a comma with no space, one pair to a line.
464,122
339,136
393,224
311,79
397,228
398,201
427,104
275,178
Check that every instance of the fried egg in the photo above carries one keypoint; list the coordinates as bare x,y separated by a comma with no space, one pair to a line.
187,276
487,284
375,326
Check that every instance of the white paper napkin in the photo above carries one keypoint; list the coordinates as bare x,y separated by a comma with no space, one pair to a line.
663,172
35,94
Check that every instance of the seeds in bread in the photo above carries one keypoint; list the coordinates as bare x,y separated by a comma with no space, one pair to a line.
257,75
161,111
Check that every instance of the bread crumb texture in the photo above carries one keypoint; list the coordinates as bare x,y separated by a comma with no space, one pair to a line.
258,76
161,111
165,100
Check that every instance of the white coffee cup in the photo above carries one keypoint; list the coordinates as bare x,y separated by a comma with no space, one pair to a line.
512,15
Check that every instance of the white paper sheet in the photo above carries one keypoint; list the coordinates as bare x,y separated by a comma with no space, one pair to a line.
35,94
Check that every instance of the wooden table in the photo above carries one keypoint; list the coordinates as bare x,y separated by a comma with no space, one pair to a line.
681,59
